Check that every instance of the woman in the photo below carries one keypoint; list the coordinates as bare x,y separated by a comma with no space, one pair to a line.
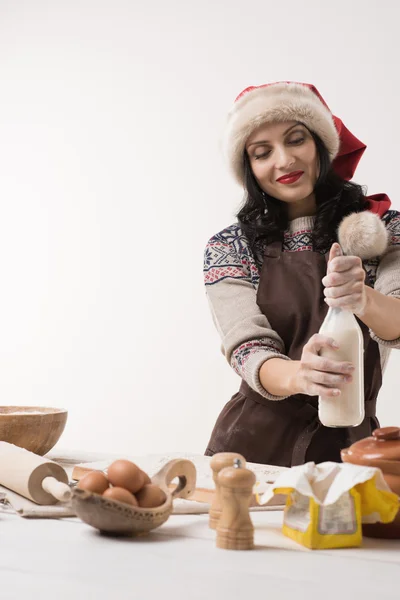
271,276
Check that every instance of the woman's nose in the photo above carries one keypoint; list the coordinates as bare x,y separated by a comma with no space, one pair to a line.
283,158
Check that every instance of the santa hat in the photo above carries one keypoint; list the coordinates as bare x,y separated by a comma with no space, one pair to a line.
294,101
289,101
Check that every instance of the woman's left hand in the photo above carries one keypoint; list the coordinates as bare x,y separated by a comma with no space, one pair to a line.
344,282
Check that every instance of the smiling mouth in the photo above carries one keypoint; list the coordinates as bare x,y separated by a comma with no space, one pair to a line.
291,177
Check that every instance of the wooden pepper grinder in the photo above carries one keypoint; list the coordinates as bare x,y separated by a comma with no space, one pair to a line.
235,529
218,462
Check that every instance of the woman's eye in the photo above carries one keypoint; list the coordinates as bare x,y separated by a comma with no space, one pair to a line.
263,155
293,142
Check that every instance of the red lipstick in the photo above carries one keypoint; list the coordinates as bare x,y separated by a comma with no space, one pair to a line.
290,177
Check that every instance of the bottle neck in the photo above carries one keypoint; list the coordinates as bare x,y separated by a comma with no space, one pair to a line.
340,313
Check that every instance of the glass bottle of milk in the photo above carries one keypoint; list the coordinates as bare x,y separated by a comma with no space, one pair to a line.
346,410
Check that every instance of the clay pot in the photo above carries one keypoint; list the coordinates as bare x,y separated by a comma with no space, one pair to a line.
381,450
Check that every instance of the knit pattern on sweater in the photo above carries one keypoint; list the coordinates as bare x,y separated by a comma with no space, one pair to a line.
228,257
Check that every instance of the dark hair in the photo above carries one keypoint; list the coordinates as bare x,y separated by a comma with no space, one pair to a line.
264,218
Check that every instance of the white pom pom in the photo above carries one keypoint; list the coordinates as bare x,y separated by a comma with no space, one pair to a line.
363,234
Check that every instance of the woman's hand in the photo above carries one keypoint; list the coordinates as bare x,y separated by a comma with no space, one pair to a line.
318,376
344,282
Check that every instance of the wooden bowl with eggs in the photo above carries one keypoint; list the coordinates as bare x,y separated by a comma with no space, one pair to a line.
111,512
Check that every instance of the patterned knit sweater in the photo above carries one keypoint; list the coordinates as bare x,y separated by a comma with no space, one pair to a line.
232,274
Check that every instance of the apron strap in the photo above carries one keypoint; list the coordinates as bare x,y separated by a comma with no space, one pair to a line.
273,250
307,413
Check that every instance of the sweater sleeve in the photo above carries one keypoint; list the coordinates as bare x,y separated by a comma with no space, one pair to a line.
231,276
388,271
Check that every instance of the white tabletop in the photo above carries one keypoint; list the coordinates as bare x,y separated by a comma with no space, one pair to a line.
45,558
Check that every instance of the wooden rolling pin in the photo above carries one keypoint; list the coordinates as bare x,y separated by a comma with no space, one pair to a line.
32,476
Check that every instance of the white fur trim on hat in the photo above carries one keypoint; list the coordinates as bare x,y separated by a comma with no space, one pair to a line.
277,102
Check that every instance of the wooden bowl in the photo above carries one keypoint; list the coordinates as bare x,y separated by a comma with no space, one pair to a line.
113,517
35,428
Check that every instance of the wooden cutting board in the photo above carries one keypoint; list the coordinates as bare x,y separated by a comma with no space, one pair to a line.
203,493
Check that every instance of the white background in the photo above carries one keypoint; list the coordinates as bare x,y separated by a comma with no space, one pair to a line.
112,181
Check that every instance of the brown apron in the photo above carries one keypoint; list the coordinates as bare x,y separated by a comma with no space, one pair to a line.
288,432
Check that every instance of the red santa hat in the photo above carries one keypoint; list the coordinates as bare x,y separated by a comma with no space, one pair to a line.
293,101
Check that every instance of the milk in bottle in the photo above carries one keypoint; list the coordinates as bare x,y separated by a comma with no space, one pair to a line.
346,410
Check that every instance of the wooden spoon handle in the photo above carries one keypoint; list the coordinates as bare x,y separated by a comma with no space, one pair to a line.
186,473
61,491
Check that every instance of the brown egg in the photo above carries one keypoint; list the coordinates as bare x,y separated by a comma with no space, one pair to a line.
146,478
121,495
125,474
150,496
95,482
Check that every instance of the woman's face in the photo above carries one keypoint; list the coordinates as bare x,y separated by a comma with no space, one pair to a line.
279,150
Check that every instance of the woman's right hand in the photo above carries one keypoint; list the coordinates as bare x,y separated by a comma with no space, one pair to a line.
319,376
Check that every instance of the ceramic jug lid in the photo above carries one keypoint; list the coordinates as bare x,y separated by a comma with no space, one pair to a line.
384,444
